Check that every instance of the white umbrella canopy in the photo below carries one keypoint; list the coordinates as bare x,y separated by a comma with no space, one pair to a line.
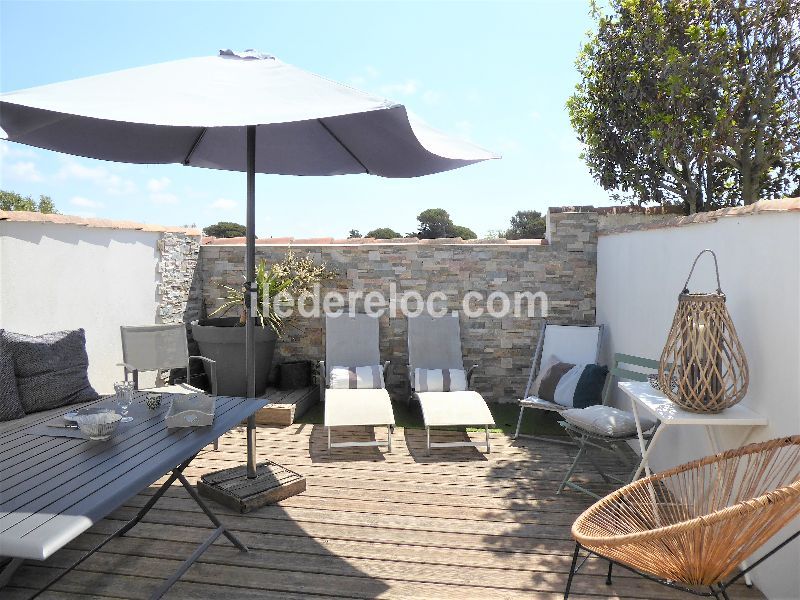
239,111
194,112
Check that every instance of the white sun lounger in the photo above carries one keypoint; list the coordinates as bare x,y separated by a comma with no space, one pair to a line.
435,343
352,341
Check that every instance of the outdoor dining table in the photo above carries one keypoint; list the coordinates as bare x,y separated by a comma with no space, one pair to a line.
55,484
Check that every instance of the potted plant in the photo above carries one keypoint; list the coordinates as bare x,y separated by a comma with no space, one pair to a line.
222,339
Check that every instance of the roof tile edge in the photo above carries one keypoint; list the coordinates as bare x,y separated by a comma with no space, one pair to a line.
21,216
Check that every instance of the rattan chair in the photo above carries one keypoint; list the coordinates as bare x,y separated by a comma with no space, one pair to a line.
692,526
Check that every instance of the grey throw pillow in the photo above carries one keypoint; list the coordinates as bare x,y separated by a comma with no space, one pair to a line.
10,406
51,369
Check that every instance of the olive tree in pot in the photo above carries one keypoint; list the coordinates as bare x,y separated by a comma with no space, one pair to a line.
222,339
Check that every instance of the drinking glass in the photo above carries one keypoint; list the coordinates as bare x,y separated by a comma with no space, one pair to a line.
124,397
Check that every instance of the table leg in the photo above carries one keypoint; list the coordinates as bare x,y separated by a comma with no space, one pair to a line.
177,474
645,448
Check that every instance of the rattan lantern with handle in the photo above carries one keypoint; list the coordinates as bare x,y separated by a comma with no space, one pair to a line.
703,354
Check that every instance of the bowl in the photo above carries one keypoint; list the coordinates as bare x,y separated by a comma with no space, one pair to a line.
98,425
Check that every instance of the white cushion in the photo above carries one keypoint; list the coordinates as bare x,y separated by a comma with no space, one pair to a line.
441,409
356,378
606,420
440,380
358,407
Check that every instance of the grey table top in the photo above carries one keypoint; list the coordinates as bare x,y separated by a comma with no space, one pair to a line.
53,488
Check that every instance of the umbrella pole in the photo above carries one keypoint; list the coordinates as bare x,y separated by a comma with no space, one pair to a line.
252,297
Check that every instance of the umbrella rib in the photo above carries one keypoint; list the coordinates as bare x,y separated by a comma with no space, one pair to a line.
197,141
338,141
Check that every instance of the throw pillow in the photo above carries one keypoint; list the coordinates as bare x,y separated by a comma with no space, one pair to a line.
356,378
440,380
606,420
51,369
10,406
575,386
544,367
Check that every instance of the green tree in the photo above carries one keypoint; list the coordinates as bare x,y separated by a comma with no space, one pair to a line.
434,223
526,224
465,233
354,233
225,229
383,233
694,101
14,201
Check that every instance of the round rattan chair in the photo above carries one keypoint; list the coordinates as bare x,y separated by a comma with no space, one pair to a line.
696,523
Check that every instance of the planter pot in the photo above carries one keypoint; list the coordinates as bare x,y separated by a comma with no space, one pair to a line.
222,340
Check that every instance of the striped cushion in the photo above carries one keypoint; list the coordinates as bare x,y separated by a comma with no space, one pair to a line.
357,378
576,386
440,380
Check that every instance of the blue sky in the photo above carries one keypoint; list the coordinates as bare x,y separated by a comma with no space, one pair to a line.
497,73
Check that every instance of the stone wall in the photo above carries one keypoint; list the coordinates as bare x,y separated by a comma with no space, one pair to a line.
564,268
178,289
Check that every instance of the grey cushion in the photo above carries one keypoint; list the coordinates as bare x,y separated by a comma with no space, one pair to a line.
50,368
10,406
606,420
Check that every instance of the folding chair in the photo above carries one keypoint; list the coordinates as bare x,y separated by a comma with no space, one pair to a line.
157,348
616,446
576,344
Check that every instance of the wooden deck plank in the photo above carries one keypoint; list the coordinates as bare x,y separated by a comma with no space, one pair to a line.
459,524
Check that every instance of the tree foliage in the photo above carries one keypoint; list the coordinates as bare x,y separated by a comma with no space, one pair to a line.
14,201
354,233
225,229
526,224
383,233
692,100
436,223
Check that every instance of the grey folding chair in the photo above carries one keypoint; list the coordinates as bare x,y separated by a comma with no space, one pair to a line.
161,347
626,368
353,341
157,348
435,343
575,344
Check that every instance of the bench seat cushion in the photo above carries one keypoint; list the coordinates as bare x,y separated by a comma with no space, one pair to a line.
10,406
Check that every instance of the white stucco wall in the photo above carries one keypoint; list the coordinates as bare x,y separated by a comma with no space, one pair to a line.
63,276
639,277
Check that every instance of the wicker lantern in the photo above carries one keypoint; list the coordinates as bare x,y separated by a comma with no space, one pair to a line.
703,354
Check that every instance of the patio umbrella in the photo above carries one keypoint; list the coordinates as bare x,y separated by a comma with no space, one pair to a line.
239,111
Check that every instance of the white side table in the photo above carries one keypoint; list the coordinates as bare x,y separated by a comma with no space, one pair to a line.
669,413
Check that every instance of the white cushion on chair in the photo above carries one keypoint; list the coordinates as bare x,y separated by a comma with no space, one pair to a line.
440,409
358,407
606,420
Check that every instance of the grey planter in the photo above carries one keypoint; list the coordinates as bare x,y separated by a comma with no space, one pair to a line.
222,341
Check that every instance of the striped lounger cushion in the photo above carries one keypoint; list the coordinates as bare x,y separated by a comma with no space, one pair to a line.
440,380
357,378
573,386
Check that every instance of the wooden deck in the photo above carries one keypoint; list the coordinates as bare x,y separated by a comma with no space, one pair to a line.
458,524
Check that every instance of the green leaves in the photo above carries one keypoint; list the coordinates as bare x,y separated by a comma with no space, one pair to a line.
695,101
279,285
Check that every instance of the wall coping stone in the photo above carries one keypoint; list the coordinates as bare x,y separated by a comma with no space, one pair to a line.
22,216
762,206
290,241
